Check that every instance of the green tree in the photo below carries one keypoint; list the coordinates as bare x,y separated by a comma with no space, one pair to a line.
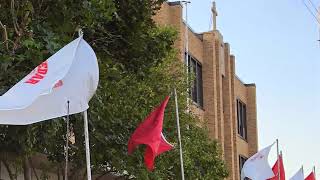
138,68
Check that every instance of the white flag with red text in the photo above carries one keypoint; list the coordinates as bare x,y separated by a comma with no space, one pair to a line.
257,167
71,74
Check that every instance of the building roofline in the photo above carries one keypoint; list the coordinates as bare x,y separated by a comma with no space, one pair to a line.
239,79
250,85
245,84
198,35
174,3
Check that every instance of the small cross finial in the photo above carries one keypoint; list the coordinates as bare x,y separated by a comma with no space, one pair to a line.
214,8
214,15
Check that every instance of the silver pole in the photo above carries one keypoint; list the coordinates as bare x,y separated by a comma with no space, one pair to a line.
67,143
314,172
86,135
186,33
278,159
187,30
319,35
179,135
86,132
319,24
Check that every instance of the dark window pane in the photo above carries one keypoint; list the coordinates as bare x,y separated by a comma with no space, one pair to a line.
242,119
194,85
200,86
196,88
238,116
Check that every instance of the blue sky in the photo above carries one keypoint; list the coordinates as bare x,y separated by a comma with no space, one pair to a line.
275,44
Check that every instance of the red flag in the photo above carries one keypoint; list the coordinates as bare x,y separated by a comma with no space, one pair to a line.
275,170
149,132
311,176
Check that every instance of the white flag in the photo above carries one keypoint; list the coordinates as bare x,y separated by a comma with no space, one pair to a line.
257,167
299,175
71,74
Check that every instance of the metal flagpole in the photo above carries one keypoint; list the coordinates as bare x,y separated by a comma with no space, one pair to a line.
314,172
67,143
179,135
86,131
186,33
278,159
86,135
318,23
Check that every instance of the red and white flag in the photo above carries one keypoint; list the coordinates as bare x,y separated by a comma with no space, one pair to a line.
276,167
311,176
71,74
299,175
149,133
257,167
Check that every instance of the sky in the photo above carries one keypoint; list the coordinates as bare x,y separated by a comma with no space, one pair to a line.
275,44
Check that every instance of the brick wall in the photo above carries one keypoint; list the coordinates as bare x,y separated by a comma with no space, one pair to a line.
221,88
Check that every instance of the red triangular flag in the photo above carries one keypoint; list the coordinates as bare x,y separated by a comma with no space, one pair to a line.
311,176
275,170
149,132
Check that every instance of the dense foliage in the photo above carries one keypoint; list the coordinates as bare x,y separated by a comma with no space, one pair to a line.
138,68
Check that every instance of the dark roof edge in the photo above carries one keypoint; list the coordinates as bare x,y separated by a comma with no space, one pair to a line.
250,85
198,35
174,3
246,84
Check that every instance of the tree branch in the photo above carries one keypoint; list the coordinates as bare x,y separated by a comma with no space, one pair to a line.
34,170
5,35
6,164
14,18
20,32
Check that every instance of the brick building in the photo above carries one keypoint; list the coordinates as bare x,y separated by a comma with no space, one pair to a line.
219,97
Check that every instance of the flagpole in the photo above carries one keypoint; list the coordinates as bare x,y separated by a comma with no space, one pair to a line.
86,131
86,135
281,155
67,142
186,33
319,25
179,135
314,172
278,159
